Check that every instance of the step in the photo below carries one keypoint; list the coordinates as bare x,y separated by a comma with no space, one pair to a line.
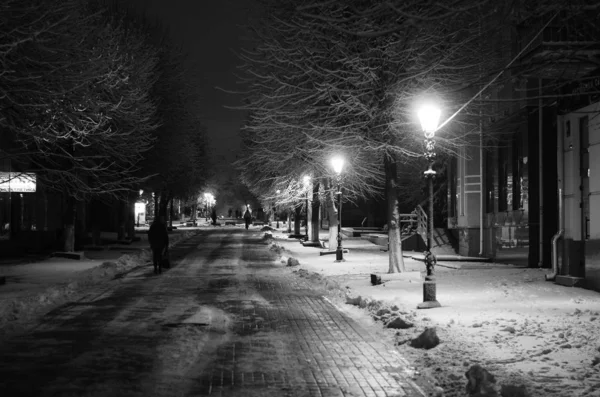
457,258
570,281
69,255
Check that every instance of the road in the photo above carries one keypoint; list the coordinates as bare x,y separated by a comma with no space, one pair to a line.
227,320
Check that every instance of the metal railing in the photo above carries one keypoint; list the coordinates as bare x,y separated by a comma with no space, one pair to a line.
409,223
421,222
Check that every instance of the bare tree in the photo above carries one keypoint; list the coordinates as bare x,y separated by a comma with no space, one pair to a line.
178,162
342,77
76,99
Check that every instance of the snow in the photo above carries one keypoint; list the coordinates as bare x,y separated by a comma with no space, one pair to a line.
524,330
33,289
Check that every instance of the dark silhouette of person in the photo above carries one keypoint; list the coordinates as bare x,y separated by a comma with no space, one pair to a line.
247,217
230,212
158,237
213,216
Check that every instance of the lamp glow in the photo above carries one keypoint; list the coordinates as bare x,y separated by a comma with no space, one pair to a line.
338,164
306,180
429,116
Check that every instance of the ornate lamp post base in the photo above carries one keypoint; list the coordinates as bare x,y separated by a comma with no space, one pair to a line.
429,298
429,285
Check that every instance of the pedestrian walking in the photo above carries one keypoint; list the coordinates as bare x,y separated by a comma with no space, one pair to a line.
158,237
247,217
213,216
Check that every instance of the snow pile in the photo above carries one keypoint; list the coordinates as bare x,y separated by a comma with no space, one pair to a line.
534,348
17,313
267,237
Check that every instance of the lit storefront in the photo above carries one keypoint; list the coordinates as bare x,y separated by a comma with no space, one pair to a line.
17,192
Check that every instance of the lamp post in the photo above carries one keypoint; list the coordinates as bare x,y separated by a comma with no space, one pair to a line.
338,164
276,215
306,186
206,206
429,116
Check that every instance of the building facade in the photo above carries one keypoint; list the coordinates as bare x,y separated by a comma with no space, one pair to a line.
528,191
578,168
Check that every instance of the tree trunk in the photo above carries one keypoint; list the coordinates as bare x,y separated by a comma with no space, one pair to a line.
171,214
308,217
297,218
332,214
315,207
122,203
131,221
95,209
163,204
69,225
396,261
81,224
156,205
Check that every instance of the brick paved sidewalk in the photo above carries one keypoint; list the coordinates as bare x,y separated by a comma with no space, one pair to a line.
295,342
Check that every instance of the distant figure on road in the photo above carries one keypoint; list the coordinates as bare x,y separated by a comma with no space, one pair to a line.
158,237
230,212
213,216
248,217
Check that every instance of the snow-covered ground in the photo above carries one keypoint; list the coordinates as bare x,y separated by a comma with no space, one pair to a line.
33,289
524,330
538,337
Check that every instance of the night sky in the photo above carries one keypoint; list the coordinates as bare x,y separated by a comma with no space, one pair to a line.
209,32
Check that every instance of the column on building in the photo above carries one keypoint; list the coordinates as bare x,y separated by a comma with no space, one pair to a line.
468,202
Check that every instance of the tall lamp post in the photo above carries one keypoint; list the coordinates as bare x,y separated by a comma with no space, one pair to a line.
276,215
338,164
429,116
306,186
209,202
206,206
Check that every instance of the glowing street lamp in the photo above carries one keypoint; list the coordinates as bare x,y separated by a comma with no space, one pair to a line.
429,116
338,165
306,186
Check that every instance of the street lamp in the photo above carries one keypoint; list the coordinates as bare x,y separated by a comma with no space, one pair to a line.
276,215
429,116
306,185
209,201
206,206
289,214
338,164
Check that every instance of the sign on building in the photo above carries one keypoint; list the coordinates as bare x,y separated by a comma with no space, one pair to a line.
17,182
